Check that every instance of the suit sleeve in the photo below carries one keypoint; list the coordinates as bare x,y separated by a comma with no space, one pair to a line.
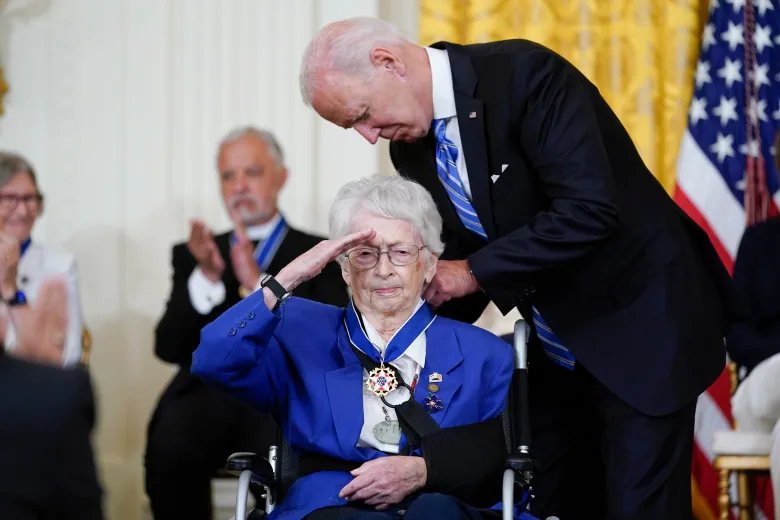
756,338
558,129
78,492
178,331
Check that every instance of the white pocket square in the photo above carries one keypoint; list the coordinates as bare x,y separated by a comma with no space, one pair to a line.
494,178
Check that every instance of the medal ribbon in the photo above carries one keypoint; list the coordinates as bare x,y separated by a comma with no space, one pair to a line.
417,324
267,248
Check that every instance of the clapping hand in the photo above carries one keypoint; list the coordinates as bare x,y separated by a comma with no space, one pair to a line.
242,255
202,246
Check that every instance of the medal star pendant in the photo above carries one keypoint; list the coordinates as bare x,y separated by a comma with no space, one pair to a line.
381,381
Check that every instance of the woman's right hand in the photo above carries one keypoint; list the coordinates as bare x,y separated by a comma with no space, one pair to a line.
9,262
312,262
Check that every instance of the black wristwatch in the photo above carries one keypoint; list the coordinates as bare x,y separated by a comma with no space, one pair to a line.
17,299
280,292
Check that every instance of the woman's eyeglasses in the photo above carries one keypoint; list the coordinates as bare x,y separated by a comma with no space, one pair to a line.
368,257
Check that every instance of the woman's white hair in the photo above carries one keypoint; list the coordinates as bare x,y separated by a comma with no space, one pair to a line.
389,197
344,46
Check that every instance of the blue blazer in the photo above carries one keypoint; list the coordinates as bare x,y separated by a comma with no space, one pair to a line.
297,364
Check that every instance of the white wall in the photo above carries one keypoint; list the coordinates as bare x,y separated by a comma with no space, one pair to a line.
119,104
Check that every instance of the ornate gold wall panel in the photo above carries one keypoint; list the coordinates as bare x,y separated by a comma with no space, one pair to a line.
640,53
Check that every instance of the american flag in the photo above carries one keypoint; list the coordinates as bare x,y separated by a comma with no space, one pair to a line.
726,177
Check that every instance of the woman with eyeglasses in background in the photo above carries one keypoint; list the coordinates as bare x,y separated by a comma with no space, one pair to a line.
30,263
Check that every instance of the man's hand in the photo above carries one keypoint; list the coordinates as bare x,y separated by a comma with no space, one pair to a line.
242,255
386,481
453,279
202,246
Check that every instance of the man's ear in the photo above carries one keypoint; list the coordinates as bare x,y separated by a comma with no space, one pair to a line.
387,59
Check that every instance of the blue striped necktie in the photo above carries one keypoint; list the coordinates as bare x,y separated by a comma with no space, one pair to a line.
446,160
552,344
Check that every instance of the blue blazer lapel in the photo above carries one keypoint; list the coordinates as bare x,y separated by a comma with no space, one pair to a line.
443,356
345,396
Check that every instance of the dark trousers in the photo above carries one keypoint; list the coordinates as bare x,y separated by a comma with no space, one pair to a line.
190,436
600,458
425,506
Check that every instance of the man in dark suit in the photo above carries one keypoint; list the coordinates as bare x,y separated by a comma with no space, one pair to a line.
47,469
195,427
549,208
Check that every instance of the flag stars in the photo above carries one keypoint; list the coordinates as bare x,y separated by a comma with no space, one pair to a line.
730,72
763,37
757,110
733,36
776,113
736,4
750,148
708,37
723,147
726,110
764,6
698,110
761,75
702,73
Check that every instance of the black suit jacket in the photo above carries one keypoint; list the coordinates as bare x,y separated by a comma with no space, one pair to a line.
757,278
47,470
178,332
577,226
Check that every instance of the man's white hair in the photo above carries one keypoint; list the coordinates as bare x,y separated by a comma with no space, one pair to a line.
344,46
389,197
264,135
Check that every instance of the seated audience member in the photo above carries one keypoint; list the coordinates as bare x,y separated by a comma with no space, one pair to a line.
21,203
755,343
196,427
329,374
47,469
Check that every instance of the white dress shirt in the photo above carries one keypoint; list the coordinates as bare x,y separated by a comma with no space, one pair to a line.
444,108
205,294
410,364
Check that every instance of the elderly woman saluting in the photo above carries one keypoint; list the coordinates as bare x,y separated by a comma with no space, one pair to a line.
332,377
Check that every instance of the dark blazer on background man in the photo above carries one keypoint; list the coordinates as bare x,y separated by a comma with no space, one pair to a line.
757,279
47,467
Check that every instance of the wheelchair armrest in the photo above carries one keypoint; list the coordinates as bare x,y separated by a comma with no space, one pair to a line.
262,471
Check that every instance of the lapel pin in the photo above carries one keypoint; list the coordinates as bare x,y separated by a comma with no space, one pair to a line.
433,403
435,378
433,387
472,115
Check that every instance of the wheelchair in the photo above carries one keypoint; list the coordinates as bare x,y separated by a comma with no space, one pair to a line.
276,473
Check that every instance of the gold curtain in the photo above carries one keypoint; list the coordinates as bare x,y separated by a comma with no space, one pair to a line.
640,53
3,90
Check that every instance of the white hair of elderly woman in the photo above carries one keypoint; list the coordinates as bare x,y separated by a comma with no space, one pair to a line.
389,197
344,46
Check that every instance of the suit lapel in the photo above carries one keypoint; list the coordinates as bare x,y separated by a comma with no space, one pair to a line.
471,122
444,357
345,395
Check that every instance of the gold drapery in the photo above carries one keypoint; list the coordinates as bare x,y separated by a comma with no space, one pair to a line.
640,53
3,90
